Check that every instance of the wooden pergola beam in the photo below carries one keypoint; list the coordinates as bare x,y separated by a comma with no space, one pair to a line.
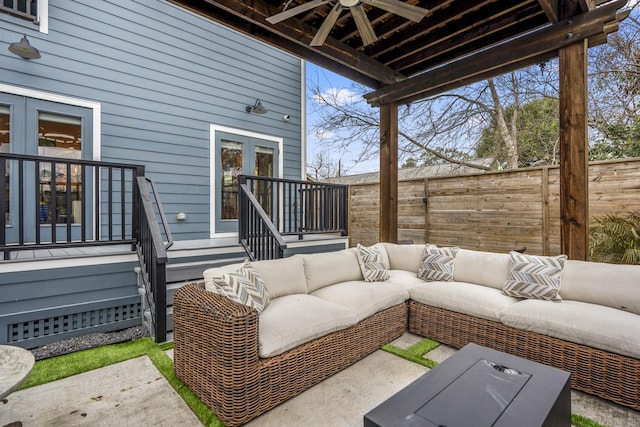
389,173
495,60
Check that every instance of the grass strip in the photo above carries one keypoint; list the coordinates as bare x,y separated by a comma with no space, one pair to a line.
416,352
580,421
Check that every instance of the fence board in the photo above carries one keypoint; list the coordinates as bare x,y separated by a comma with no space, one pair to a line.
495,211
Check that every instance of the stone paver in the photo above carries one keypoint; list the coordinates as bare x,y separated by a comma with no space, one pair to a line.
130,393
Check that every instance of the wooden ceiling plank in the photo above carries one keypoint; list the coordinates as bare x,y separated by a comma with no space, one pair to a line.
536,44
507,26
427,25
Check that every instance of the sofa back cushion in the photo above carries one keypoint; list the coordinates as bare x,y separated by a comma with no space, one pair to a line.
329,268
611,285
404,257
481,268
284,276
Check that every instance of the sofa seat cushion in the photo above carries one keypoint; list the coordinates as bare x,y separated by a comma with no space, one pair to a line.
292,320
406,279
364,298
283,276
462,297
593,325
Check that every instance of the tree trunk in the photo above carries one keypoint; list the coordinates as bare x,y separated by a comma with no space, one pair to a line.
508,137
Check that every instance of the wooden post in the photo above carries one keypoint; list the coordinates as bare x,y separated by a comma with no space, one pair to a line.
574,149
389,172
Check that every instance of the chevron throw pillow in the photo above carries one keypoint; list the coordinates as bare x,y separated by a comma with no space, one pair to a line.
437,264
372,264
244,286
535,277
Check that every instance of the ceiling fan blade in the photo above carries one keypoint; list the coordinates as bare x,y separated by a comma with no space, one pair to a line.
279,17
364,26
327,25
413,13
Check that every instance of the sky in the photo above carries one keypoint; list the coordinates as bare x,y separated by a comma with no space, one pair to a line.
329,81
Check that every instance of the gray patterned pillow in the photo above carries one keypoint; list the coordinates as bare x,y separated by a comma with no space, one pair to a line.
532,276
372,264
437,264
244,286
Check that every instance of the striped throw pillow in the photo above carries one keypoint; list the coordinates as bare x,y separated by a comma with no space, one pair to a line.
244,286
372,264
437,264
534,277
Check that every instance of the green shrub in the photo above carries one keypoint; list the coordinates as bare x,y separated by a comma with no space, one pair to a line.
616,239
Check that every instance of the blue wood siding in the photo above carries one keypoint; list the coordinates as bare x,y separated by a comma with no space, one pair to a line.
162,75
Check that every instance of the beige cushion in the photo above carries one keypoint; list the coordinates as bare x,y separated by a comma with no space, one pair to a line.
292,320
404,257
330,268
482,268
461,297
593,325
284,276
406,279
533,276
364,298
372,263
612,285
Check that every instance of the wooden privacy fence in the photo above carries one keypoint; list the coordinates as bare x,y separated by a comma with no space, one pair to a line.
495,211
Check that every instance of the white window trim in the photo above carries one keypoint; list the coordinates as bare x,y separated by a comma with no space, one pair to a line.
96,107
43,16
213,129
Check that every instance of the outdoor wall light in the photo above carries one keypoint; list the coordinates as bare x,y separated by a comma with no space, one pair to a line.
23,49
257,108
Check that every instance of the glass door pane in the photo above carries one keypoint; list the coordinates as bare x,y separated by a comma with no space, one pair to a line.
60,136
264,167
231,157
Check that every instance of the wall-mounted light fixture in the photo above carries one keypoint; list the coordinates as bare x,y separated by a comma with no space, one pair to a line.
257,108
23,49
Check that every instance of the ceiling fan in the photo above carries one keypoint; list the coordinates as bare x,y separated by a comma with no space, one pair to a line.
408,11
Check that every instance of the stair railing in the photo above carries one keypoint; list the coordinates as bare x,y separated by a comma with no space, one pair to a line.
152,254
256,232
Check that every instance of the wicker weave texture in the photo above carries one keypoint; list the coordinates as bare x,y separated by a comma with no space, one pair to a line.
608,375
216,354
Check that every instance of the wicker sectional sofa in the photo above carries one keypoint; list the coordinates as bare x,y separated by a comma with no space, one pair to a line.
322,317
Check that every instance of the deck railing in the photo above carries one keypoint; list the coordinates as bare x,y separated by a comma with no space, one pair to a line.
51,202
292,208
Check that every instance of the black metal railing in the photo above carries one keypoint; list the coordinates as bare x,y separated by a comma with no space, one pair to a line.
152,254
291,207
51,202
256,232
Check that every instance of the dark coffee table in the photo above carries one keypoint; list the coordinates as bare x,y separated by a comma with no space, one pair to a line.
479,387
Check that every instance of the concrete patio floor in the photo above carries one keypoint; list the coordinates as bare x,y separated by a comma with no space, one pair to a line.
134,393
